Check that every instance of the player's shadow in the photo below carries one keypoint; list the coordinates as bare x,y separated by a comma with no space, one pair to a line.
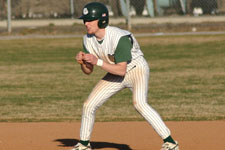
94,145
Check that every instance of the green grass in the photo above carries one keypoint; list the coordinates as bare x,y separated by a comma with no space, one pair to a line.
40,81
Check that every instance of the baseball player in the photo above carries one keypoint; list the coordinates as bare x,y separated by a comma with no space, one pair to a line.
118,53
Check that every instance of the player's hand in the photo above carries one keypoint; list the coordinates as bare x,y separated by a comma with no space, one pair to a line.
80,57
90,59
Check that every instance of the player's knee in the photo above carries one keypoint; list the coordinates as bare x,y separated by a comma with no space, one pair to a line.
86,106
138,106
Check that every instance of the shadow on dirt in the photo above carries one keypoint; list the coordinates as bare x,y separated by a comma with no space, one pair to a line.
94,145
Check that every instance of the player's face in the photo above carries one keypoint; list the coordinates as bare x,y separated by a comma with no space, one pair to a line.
91,26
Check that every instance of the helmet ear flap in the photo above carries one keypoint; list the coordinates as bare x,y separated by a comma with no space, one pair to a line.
103,22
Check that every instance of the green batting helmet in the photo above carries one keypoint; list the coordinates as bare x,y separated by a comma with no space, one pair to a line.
96,11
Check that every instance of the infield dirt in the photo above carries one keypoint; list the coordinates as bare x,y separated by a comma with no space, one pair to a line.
192,135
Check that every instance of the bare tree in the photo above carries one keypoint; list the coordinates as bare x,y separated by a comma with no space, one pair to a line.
138,6
115,4
3,9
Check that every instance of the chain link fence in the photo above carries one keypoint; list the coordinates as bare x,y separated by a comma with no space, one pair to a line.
27,9
64,9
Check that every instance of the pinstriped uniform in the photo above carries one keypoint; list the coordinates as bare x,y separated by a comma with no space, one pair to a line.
136,79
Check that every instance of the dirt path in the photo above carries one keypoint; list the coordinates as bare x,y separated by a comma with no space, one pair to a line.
139,20
206,135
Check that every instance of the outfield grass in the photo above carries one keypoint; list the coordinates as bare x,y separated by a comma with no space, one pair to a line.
40,81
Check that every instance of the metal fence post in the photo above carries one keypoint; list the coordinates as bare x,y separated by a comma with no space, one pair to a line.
128,20
9,16
72,9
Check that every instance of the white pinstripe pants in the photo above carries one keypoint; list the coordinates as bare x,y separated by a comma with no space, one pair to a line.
137,80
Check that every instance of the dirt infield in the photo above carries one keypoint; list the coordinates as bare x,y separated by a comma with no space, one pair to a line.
204,135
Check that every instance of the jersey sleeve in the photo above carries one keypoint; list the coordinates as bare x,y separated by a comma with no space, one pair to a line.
85,49
123,50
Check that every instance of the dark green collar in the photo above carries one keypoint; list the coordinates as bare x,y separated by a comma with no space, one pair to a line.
100,42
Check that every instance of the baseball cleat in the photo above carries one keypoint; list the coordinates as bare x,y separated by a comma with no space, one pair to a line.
79,146
170,146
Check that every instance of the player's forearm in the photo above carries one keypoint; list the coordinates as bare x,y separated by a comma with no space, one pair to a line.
116,69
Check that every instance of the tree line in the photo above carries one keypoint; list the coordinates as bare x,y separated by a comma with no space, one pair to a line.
58,8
